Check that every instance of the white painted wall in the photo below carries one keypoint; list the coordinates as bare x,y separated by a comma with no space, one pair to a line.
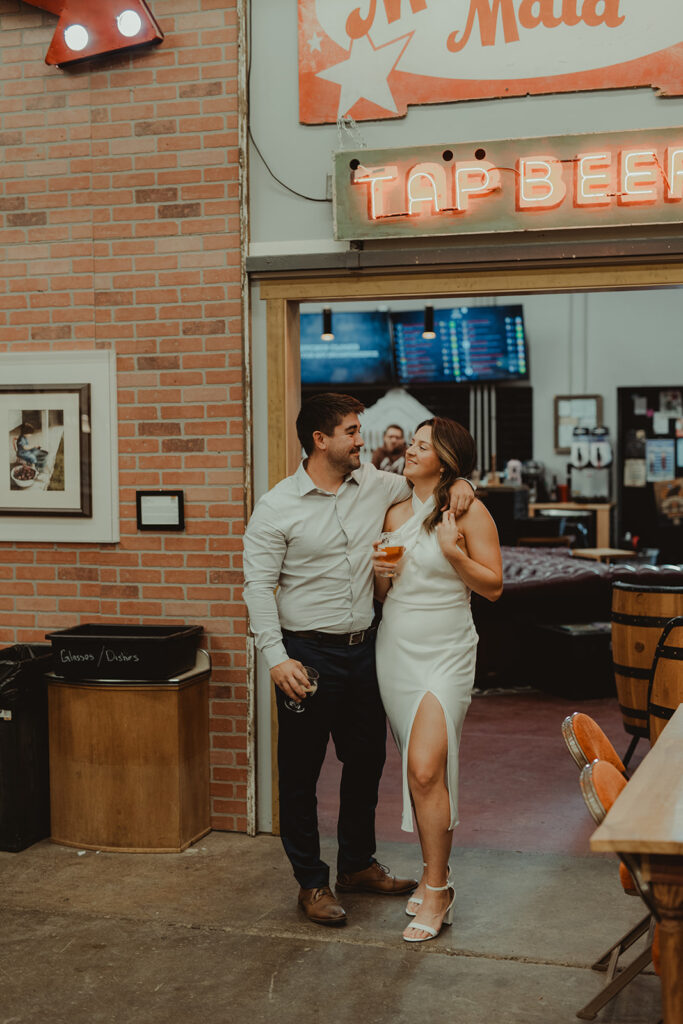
595,343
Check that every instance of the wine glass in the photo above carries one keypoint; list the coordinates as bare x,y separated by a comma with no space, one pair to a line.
391,549
298,706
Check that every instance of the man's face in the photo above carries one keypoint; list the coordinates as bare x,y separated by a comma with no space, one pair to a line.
393,439
343,447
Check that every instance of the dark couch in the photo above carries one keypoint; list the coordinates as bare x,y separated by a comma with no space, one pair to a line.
545,587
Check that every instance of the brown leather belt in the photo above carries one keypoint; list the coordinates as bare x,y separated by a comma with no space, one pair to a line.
333,639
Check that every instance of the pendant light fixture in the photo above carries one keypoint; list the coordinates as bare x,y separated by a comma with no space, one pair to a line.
428,331
327,334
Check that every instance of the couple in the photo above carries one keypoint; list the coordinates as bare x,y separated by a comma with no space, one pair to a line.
311,539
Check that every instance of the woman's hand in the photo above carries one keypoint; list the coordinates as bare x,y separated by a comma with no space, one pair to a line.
478,563
448,534
381,567
461,497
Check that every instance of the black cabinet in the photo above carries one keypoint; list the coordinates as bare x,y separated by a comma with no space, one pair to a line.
508,506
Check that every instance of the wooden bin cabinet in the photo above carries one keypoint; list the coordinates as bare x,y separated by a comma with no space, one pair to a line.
129,764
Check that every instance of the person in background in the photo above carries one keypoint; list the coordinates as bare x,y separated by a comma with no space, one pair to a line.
33,456
309,593
391,456
427,646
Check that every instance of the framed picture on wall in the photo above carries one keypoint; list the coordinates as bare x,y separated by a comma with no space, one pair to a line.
45,467
575,411
58,447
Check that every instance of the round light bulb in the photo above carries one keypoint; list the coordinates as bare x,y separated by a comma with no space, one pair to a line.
129,23
76,37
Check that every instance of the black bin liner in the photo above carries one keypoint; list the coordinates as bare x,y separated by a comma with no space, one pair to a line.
24,759
105,652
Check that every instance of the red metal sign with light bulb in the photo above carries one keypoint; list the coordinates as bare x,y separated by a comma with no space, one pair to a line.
565,181
88,29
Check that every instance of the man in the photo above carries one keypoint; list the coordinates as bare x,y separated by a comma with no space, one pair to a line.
391,457
310,537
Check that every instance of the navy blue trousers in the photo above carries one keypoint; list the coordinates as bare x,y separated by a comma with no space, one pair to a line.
347,706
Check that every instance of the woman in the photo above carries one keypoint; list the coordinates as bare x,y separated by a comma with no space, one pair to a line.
426,648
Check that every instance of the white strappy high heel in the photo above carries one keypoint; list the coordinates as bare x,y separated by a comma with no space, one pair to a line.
417,900
447,917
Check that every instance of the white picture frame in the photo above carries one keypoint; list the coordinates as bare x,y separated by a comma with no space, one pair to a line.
574,411
73,395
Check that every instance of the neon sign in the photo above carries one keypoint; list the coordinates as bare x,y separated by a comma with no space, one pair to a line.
525,184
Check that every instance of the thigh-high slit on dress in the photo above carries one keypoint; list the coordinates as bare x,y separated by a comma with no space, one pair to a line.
426,643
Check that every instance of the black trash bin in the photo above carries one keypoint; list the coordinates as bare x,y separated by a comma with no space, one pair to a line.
24,762
574,660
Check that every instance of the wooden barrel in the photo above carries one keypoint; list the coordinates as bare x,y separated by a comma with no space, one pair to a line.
639,614
666,685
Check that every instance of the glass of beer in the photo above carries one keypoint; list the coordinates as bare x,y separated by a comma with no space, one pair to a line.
298,706
391,549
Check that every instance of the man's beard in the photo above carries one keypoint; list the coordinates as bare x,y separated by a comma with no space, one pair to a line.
345,463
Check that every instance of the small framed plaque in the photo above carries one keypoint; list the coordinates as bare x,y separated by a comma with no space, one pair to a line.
160,510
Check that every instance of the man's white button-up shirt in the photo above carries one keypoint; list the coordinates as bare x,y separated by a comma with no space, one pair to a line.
315,547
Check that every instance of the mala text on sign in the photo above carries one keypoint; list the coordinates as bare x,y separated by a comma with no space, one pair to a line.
372,60
525,184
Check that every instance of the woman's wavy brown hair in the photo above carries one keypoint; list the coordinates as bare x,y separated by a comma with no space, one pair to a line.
457,453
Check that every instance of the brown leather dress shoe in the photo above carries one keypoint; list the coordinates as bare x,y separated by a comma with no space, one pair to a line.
322,906
376,878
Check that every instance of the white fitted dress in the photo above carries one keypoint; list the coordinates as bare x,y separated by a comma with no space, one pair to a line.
426,643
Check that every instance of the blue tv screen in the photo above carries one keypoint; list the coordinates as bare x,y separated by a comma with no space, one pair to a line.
472,343
360,353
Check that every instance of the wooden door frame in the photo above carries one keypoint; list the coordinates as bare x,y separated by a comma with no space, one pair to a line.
283,293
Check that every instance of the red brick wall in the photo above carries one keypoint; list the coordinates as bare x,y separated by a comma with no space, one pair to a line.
119,217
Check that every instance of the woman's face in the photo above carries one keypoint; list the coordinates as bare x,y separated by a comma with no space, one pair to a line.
422,462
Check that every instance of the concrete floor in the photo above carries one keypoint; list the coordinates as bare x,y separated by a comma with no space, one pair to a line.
213,935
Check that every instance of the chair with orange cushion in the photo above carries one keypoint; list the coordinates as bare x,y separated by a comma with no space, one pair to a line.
587,742
601,783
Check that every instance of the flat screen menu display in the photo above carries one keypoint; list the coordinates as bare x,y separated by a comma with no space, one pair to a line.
360,353
472,343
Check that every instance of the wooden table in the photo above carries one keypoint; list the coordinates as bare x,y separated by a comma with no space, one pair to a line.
603,554
602,515
646,821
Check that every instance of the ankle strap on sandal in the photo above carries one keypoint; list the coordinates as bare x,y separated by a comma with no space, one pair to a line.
437,888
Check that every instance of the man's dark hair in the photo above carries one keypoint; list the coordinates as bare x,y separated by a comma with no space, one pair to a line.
324,413
394,426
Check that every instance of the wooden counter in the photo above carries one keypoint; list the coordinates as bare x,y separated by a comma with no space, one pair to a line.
602,554
646,821
602,511
129,762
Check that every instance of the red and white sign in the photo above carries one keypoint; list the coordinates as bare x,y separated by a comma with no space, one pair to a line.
370,59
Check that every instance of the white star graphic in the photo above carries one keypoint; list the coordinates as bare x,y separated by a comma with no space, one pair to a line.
363,75
314,42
